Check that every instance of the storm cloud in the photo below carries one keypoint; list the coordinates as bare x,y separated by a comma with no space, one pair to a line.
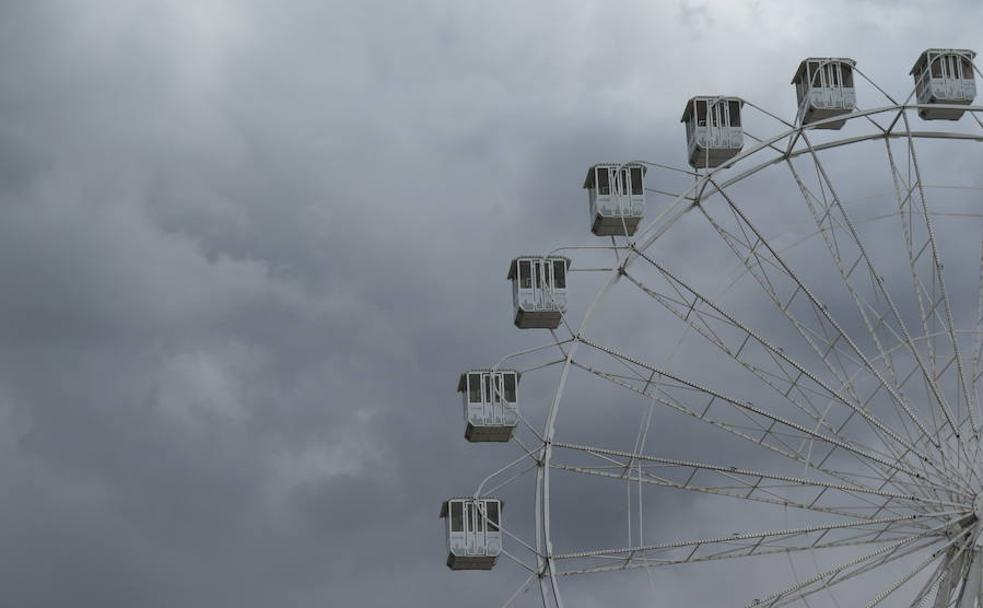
247,246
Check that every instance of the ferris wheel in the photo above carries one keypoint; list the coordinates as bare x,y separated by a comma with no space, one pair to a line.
772,396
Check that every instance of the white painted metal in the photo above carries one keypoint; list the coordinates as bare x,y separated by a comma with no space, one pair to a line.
474,535
919,494
491,404
944,77
616,193
824,88
539,291
713,130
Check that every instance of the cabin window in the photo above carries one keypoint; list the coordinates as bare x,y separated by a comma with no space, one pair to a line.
967,68
701,112
624,182
470,506
492,508
919,66
488,392
735,113
937,67
603,183
560,274
510,388
457,516
474,388
525,274
479,518
847,75
636,180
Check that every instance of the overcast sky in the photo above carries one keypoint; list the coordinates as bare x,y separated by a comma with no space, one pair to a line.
248,245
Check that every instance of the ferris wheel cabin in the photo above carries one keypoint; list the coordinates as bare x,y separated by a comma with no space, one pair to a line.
617,198
713,130
944,77
824,88
539,291
474,540
491,406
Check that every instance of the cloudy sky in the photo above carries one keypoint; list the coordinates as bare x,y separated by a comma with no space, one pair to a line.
248,245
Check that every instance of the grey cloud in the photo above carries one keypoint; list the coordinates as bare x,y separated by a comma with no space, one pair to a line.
247,248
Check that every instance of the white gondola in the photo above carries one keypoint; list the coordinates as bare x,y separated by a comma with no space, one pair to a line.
491,405
539,291
824,87
944,77
617,198
713,130
474,539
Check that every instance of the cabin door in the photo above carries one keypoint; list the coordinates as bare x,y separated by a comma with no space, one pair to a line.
831,85
952,75
716,120
474,529
622,192
494,406
543,276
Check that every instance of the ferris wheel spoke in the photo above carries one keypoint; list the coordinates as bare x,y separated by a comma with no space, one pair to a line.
978,343
808,334
921,567
723,551
766,436
890,478
957,541
931,317
945,580
772,494
946,437
748,481
847,570
822,313
978,350
763,418
754,546
828,225
938,276
702,314
791,374
760,436
741,545
967,398
878,283
651,390
520,590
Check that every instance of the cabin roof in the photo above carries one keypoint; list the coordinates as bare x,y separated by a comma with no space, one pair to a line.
444,506
971,53
589,180
802,65
462,382
689,104
513,267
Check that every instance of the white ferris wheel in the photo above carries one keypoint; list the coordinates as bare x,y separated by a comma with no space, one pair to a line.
773,393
